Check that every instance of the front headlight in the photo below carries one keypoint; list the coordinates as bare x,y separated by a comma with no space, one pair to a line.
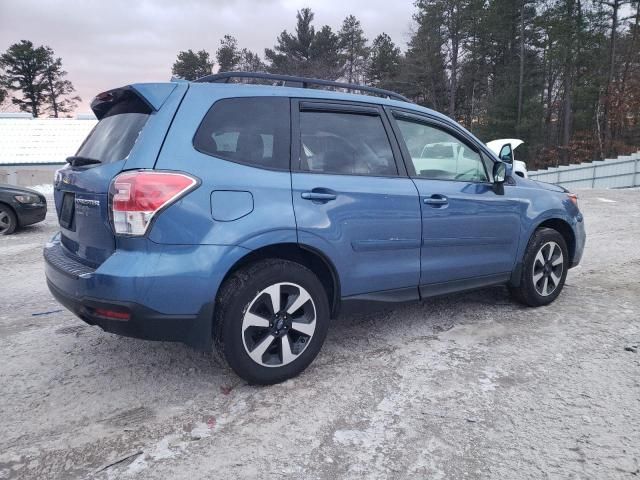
27,198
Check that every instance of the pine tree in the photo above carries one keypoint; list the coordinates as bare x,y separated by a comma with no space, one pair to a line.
228,55
250,62
24,67
384,65
353,49
325,58
292,52
307,52
58,90
191,65
424,74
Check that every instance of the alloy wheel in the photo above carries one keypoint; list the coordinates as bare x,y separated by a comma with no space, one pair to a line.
279,324
548,268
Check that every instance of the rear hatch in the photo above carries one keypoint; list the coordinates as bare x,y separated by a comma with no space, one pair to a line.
133,121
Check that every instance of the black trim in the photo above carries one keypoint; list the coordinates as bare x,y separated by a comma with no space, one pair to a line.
145,323
444,288
55,256
300,82
367,302
516,275
337,107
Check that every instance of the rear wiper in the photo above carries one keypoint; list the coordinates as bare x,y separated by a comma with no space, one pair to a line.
80,161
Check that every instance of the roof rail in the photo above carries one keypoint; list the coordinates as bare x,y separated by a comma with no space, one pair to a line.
299,82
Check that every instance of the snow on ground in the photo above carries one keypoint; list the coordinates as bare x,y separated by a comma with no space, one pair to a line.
467,386
45,189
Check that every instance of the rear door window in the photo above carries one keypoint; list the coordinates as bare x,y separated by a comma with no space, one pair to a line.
345,143
249,130
116,133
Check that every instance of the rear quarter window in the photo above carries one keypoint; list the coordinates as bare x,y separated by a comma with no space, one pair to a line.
249,130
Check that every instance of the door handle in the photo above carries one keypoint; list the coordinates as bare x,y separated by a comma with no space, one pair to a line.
436,200
319,196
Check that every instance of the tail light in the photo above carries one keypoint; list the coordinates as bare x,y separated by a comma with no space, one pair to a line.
137,196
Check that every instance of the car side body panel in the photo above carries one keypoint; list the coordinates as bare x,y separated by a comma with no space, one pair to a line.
170,277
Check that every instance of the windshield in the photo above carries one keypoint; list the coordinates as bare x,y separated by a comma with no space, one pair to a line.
115,134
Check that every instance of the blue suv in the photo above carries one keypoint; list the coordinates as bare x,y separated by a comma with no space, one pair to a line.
247,215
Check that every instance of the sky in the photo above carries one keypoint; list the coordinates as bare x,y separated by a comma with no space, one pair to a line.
105,44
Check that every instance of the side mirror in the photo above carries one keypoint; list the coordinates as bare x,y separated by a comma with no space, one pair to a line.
506,153
499,172
499,177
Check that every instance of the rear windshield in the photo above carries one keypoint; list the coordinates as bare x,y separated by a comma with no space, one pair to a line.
115,134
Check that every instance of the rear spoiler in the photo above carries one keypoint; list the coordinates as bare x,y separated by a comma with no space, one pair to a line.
152,95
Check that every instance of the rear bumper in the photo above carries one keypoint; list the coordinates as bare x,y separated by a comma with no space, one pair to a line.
30,214
168,291
144,322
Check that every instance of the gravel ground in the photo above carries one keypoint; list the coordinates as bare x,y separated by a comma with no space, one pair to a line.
467,386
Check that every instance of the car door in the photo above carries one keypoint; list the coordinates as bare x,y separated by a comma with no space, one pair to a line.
352,201
470,232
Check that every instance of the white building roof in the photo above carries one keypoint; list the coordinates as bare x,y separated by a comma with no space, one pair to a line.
40,140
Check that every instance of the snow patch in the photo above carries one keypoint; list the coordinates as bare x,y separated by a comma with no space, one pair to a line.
45,188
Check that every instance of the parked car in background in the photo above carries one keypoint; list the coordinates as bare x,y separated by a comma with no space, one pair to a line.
20,207
505,149
246,216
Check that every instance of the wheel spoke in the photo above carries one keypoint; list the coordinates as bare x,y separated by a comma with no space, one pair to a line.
552,249
537,277
539,258
274,292
253,320
555,278
303,297
557,261
262,347
545,286
306,328
287,354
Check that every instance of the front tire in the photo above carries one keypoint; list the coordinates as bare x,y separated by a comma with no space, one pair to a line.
271,319
544,269
8,220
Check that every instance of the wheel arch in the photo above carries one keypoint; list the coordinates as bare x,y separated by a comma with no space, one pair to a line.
305,255
563,228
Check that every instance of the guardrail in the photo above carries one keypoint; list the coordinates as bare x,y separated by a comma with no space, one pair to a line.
621,172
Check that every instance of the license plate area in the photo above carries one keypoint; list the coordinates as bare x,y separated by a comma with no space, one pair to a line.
67,211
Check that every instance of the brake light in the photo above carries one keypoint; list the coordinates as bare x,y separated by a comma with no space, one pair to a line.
138,195
112,314
573,198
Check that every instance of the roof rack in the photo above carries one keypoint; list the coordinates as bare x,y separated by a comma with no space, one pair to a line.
299,82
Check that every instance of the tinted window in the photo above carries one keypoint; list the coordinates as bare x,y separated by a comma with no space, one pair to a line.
254,131
439,155
345,143
115,134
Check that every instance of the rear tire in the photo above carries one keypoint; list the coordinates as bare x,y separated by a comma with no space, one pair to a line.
271,319
8,220
544,269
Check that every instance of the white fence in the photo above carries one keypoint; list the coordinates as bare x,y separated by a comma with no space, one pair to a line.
618,172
